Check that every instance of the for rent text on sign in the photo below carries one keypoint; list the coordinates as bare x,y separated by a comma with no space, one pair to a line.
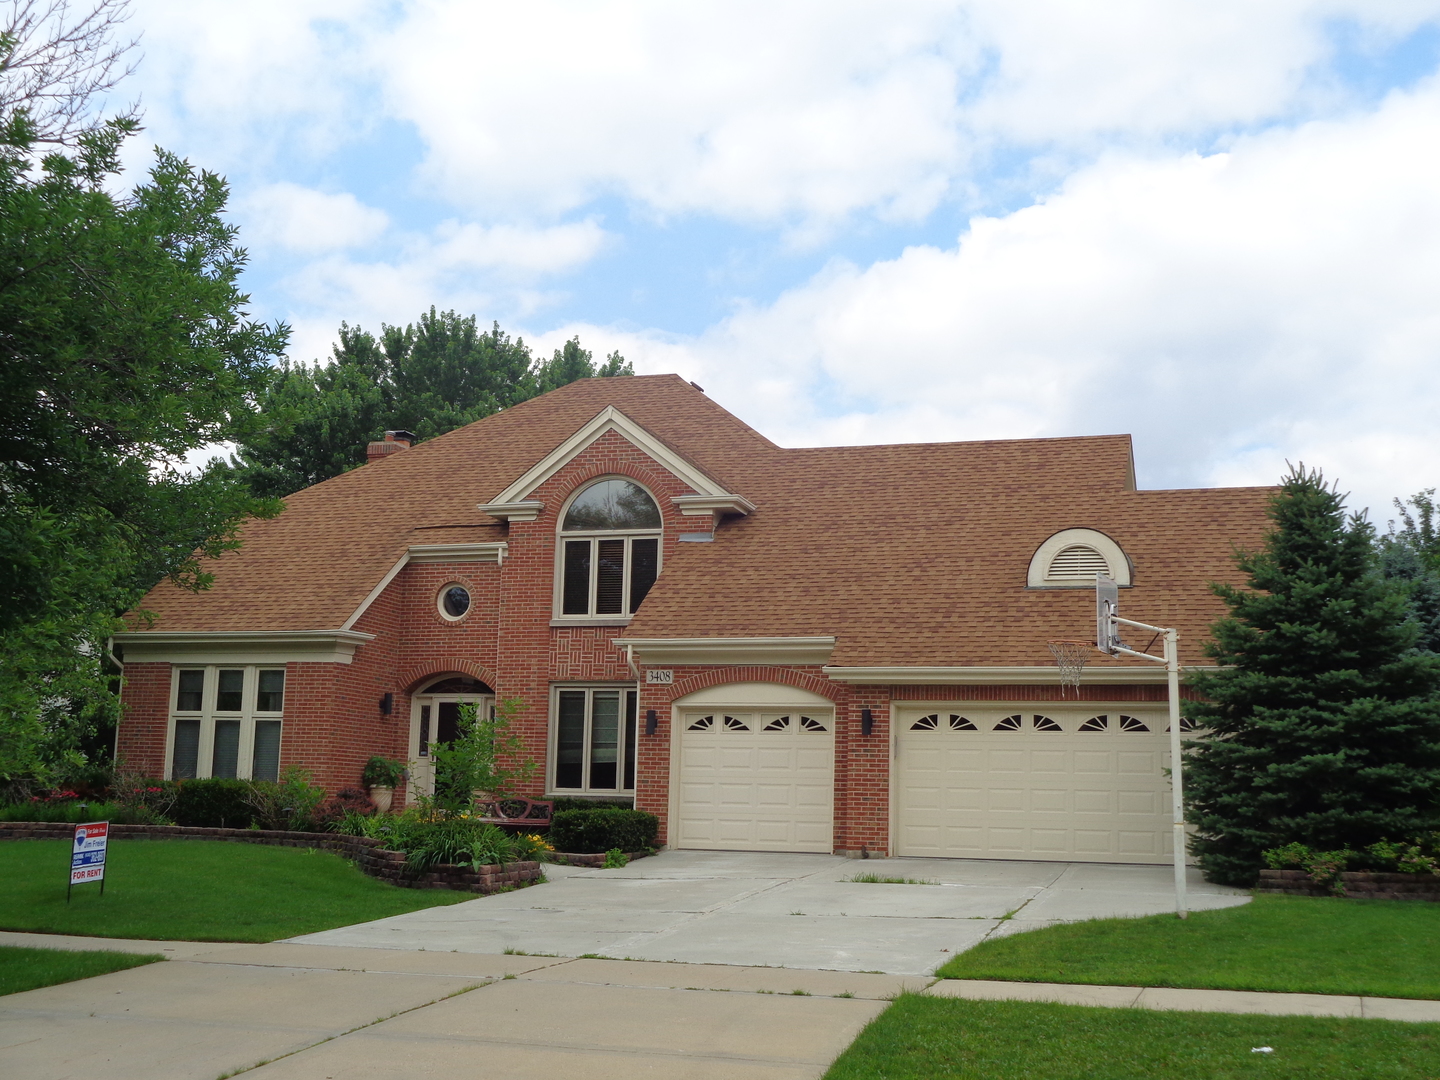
87,857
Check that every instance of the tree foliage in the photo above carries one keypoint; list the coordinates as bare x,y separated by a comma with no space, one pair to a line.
432,376
1324,718
125,345
1410,557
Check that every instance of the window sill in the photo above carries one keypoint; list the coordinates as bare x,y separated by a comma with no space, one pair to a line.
588,620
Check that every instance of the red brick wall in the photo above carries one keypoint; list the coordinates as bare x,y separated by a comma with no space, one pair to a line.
145,718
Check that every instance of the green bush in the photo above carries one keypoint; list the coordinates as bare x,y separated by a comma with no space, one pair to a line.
213,804
382,771
595,831
290,804
74,812
570,802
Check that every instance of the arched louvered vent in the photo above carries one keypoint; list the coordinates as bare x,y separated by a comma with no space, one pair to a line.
959,723
1077,563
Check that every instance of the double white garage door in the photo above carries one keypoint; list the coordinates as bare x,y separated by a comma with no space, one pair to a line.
994,781
1005,782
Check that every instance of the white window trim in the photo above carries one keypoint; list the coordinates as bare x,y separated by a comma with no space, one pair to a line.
208,714
559,618
552,741
1115,558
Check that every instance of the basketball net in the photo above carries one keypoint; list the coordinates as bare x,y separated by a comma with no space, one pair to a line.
1070,657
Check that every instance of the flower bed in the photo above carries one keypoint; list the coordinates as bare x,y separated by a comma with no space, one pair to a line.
1357,884
369,855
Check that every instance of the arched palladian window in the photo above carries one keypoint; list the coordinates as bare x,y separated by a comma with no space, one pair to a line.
611,544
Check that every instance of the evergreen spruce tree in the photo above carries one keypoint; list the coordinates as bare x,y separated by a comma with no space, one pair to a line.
1324,717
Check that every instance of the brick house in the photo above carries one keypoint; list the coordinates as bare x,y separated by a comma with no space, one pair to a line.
839,648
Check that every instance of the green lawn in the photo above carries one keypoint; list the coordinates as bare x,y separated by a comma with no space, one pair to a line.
30,969
923,1038
196,890
1383,948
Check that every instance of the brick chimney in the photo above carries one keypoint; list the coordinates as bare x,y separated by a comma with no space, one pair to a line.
395,441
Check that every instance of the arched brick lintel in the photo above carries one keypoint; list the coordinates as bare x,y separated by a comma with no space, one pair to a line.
412,676
786,676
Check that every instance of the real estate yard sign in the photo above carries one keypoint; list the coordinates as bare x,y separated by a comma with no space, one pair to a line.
87,855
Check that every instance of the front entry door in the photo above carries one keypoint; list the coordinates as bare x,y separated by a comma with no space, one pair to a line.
434,718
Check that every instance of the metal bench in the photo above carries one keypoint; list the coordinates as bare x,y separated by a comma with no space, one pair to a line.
516,811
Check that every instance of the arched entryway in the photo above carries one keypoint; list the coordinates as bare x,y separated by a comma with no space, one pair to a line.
434,713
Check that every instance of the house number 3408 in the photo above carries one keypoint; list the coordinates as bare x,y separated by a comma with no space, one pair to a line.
663,676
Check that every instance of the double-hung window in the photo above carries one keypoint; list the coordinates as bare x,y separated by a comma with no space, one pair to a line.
594,740
225,722
610,550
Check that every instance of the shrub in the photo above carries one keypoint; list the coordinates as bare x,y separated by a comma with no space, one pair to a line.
595,831
485,755
382,772
137,791
74,812
531,846
289,804
570,802
340,806
213,804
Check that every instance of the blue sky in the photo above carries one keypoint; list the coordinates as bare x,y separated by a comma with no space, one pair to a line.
1215,225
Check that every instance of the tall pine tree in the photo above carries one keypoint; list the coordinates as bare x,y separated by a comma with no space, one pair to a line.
1324,718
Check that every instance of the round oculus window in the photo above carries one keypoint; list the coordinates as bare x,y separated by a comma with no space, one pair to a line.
454,601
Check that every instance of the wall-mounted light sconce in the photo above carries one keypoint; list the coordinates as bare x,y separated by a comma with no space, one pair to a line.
387,704
651,720
867,722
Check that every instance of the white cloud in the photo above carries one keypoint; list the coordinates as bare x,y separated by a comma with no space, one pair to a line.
303,220
1233,311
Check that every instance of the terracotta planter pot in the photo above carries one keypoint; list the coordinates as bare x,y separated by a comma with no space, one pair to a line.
382,798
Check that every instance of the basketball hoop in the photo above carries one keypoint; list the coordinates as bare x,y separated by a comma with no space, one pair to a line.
1070,657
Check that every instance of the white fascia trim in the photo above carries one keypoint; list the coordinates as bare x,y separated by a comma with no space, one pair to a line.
241,646
608,419
923,676
528,510
759,650
494,551
700,505
374,595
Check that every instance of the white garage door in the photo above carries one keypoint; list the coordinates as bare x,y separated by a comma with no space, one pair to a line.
1002,782
755,780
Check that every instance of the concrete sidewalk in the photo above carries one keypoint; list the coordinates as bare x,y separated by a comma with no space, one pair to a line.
288,1010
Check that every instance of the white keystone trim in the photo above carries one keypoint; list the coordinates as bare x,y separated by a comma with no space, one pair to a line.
608,419
757,650
528,510
922,676
241,646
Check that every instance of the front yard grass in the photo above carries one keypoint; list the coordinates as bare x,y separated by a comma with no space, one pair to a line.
1381,948
925,1038
197,890
30,969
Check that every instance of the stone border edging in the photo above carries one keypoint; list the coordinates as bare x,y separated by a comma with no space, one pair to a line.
371,856
1357,884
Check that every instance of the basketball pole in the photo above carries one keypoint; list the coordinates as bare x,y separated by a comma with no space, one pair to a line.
1171,660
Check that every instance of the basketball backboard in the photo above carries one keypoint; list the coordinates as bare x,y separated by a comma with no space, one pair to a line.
1107,607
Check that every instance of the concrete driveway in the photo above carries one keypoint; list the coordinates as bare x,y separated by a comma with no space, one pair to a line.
780,910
